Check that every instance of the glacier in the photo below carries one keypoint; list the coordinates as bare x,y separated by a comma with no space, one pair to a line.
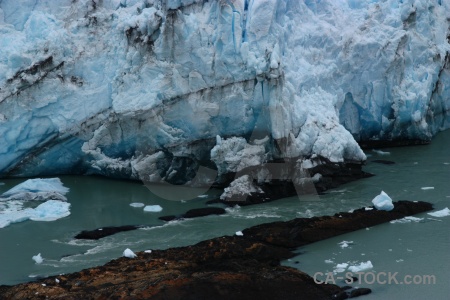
156,89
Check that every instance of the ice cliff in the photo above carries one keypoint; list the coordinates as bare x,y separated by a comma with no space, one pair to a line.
153,89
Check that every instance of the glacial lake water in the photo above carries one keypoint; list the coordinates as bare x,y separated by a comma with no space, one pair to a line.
414,249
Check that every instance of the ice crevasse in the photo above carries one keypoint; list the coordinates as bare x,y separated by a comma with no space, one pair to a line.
154,89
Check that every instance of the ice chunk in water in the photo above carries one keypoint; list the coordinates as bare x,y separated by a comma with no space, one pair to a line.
383,202
153,208
38,258
128,253
361,267
37,189
440,213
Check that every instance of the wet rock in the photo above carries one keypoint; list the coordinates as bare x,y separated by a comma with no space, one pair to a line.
228,267
201,212
104,231
303,231
195,213
340,296
370,144
360,292
384,162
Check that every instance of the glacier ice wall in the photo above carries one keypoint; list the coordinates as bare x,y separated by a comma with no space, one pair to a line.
130,87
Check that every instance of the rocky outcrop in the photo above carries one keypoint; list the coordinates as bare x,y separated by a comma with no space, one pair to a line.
228,267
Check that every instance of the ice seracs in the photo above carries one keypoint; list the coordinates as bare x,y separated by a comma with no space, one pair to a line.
147,97
383,202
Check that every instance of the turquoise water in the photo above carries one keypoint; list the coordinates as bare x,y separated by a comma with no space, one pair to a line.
410,249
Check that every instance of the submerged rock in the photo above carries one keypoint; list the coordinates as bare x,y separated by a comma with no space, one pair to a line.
104,231
195,213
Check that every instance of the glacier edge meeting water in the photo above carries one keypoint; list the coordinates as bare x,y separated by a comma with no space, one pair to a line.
108,88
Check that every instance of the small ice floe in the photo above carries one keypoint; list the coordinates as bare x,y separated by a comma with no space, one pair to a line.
339,268
50,210
361,267
399,260
148,251
50,190
239,233
128,253
202,196
406,220
38,258
345,244
379,152
329,261
37,189
368,208
383,202
409,250
427,188
153,208
440,213
137,204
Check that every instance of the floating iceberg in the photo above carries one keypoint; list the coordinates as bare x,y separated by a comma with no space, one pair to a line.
37,189
128,253
50,210
440,213
153,208
345,244
427,188
339,268
364,266
408,219
383,202
50,190
38,258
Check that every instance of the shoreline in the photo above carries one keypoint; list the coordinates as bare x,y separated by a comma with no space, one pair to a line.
227,267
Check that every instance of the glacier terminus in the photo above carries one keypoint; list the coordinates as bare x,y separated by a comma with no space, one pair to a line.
154,90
